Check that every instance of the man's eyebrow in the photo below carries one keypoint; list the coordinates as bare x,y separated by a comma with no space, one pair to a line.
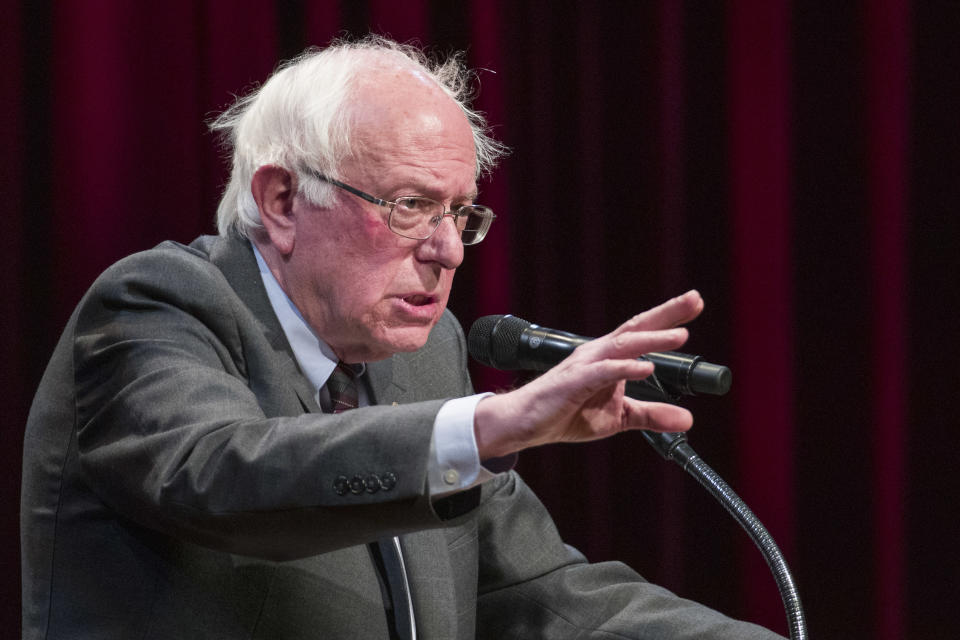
429,191
470,195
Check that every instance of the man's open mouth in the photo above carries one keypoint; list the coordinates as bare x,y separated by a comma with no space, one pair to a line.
418,300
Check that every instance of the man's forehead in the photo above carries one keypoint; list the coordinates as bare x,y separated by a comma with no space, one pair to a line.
410,134
387,96
413,76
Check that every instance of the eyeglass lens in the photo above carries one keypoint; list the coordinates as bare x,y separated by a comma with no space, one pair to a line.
417,218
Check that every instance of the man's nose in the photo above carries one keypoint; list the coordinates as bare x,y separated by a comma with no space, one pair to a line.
445,246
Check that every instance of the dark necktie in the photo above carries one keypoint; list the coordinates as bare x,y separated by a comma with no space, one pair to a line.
342,386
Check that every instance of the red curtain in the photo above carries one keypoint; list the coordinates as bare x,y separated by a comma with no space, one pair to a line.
796,162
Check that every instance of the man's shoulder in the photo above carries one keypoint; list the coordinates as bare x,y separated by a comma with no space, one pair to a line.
446,335
168,256
448,325
169,266
174,281
440,364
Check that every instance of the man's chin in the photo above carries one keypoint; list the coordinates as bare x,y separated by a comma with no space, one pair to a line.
393,340
408,339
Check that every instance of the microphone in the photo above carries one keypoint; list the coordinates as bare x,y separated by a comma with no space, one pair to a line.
508,342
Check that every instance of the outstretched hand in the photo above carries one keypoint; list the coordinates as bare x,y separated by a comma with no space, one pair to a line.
582,398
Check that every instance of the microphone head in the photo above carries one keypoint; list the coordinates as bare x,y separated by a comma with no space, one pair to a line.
711,378
495,340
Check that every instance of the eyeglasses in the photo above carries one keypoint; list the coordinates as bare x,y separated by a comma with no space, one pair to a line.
417,217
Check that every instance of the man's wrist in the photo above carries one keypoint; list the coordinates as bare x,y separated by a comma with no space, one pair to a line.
494,433
455,463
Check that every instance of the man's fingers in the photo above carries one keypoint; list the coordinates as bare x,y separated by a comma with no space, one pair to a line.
633,344
655,416
582,380
671,313
653,330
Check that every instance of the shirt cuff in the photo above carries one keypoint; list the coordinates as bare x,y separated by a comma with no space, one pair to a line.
454,460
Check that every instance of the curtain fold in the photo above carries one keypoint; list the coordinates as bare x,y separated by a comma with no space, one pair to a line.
762,218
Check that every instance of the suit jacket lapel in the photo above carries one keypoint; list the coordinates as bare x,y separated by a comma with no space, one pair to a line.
234,257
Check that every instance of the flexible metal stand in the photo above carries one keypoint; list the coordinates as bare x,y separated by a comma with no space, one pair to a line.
674,446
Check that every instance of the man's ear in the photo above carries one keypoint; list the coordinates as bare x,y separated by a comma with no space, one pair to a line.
272,189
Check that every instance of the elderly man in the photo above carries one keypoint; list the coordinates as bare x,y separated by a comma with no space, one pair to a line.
271,433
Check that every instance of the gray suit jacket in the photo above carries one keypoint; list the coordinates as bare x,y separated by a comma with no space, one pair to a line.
180,482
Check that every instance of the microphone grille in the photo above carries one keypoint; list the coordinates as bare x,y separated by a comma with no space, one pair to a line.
494,340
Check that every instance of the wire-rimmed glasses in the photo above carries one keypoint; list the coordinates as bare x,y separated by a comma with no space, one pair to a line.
417,217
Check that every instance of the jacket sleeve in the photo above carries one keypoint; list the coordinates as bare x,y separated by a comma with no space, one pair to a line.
172,433
533,585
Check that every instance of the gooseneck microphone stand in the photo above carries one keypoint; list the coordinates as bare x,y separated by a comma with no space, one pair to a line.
508,342
674,446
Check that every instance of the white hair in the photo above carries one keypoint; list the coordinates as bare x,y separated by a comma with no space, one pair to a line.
301,117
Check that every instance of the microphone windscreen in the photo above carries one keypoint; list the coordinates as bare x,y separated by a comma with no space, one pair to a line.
495,340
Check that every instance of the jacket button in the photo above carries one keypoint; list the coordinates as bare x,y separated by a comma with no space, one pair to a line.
388,480
341,485
356,485
372,483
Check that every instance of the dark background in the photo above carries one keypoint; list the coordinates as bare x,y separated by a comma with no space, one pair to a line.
796,162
